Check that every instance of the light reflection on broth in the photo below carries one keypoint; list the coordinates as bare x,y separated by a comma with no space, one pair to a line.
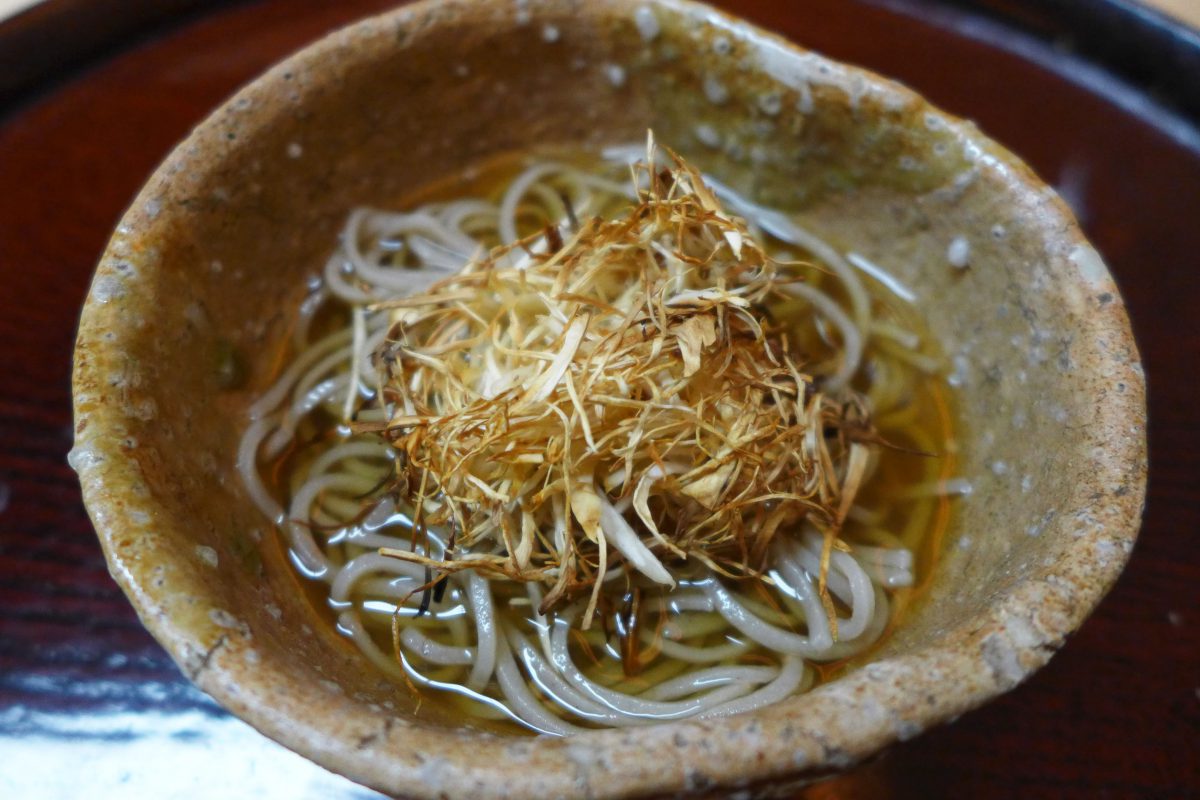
652,653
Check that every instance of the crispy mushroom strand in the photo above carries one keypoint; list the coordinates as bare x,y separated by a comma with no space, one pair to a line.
613,396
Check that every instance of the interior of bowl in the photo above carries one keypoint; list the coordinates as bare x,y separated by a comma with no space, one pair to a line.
208,267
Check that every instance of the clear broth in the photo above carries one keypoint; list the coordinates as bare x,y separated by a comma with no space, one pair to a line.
920,430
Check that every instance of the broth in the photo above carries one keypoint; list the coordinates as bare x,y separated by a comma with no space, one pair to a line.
640,641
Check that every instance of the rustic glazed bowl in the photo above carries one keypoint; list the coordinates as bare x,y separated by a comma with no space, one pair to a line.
207,268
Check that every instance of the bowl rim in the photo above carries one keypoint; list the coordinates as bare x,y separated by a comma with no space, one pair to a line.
805,735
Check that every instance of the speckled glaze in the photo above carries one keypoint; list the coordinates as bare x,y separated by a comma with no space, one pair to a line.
212,256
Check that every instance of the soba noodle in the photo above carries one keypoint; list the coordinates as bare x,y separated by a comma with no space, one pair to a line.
710,646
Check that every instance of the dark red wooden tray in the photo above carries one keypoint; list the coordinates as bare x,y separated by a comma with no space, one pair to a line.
93,93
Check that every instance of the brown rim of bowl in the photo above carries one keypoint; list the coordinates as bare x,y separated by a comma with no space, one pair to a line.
806,735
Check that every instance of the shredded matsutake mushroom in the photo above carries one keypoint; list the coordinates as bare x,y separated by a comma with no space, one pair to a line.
614,397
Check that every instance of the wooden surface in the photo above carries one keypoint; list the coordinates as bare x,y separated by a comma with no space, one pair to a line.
88,699
1185,10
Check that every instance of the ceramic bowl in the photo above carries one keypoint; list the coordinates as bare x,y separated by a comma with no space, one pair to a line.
210,261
